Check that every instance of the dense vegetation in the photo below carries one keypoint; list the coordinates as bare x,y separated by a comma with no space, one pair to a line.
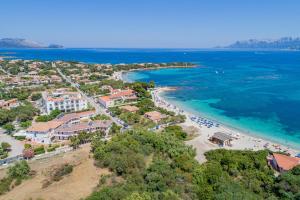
4,149
156,165
46,118
127,67
160,166
22,113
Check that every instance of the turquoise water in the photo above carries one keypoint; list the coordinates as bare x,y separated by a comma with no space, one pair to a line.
256,96
257,91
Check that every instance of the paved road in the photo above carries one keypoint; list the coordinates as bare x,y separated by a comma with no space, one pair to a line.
16,146
98,108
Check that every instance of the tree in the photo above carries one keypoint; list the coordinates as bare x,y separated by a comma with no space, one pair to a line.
177,131
28,153
5,146
75,142
9,127
25,124
51,116
137,196
151,84
115,129
19,170
36,96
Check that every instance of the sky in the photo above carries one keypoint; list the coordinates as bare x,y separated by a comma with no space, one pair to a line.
148,23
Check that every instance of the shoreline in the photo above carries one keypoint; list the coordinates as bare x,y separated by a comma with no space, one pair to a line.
119,74
242,140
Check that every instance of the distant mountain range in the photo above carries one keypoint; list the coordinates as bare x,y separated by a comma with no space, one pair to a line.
282,43
24,43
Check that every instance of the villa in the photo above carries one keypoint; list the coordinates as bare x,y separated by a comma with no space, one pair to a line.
63,100
117,97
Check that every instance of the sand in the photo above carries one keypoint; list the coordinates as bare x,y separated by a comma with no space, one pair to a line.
202,143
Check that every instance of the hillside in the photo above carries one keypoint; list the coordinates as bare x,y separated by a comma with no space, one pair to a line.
24,43
282,43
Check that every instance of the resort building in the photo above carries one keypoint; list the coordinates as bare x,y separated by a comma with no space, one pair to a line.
12,103
129,108
222,139
67,131
118,97
42,132
75,118
63,100
155,116
68,124
283,163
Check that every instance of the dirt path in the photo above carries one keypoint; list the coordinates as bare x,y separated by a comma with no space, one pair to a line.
79,184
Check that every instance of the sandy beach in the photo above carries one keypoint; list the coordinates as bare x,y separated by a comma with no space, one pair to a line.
206,128
202,143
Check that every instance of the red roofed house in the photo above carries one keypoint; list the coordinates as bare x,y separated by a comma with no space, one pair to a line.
117,97
283,163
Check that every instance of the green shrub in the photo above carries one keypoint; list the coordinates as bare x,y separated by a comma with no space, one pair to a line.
27,146
5,185
52,147
21,138
39,150
19,170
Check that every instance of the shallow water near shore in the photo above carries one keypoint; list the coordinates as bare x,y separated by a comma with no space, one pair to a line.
260,99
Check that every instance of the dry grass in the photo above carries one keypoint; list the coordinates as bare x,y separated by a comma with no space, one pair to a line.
192,131
79,184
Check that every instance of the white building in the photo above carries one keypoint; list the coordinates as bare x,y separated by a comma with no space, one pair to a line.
42,132
117,97
63,100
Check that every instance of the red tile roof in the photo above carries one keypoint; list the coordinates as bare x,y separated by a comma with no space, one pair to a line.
122,93
286,162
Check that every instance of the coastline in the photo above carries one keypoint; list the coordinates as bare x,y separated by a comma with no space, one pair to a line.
241,141
119,74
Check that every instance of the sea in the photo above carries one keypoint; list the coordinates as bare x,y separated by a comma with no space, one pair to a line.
256,91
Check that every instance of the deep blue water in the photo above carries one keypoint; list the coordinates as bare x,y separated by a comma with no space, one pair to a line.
257,91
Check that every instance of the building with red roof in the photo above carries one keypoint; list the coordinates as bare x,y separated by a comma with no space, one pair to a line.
117,97
283,163
63,100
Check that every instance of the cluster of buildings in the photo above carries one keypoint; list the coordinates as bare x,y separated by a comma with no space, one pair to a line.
63,100
24,80
29,74
66,126
117,97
